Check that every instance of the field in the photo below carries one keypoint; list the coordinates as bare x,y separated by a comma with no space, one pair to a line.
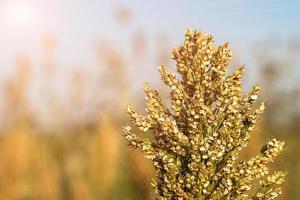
61,122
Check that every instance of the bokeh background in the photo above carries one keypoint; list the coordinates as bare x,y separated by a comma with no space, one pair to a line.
69,67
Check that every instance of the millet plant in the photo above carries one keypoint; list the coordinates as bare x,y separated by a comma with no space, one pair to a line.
195,143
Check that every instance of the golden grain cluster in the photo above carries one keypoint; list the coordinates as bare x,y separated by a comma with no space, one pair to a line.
195,143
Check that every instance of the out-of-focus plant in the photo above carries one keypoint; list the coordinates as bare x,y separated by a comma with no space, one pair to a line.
16,97
27,170
103,161
277,60
195,144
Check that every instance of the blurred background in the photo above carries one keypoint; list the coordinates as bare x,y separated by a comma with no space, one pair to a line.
69,67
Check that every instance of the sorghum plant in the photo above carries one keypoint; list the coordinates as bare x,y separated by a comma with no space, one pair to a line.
195,144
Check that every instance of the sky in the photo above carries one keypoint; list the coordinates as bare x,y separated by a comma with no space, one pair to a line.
77,24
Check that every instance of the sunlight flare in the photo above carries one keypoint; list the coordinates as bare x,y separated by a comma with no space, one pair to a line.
20,15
